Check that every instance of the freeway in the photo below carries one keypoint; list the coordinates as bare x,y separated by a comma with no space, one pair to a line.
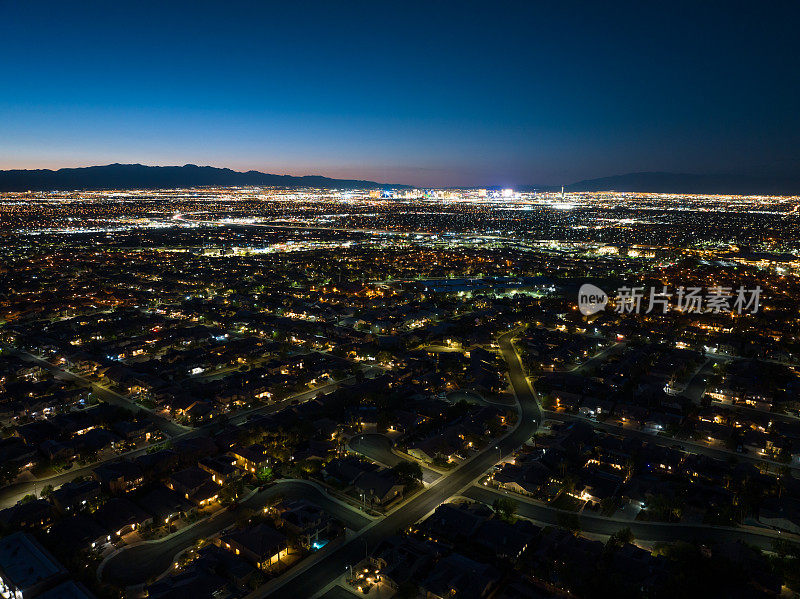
314,227
138,563
326,570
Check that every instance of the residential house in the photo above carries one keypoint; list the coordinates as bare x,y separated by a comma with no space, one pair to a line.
194,484
74,496
221,468
250,459
457,575
119,477
119,516
379,487
262,545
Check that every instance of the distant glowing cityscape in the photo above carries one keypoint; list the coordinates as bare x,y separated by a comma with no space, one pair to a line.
256,392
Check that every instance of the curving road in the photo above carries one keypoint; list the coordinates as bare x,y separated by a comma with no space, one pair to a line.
138,563
11,494
310,581
319,575
109,396
378,448
646,531
671,442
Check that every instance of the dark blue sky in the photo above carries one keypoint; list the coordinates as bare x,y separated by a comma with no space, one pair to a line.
428,93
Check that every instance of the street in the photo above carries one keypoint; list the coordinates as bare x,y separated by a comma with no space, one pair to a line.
136,564
323,572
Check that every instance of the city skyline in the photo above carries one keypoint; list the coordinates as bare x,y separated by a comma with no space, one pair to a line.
510,95
419,300
140,176
239,392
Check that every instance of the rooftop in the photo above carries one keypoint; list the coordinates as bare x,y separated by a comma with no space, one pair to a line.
25,563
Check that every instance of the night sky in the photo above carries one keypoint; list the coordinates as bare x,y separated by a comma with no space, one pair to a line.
428,93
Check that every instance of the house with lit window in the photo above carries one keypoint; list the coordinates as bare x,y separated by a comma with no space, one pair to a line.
457,575
262,545
194,484
119,477
250,459
308,523
75,495
118,516
221,468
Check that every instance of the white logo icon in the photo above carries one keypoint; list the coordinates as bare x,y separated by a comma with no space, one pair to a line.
591,299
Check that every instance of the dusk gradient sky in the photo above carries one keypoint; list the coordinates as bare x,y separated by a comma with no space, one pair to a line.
423,93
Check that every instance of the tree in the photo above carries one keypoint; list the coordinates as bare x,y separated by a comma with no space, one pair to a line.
47,490
569,521
408,473
568,482
785,548
506,508
8,473
622,537
407,590
663,508
256,580
231,491
310,466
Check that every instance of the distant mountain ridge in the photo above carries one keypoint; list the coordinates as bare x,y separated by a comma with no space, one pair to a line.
139,176
659,182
